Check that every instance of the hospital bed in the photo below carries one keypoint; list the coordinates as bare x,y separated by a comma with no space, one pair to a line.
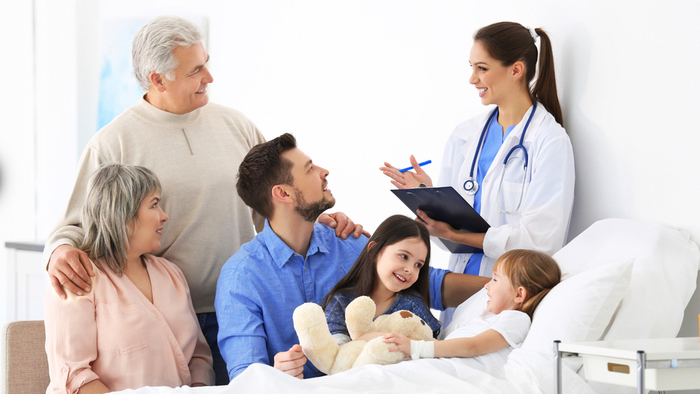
622,280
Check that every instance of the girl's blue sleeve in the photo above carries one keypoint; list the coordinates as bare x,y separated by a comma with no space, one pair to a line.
335,316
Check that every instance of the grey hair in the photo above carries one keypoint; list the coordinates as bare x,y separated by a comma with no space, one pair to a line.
115,193
153,45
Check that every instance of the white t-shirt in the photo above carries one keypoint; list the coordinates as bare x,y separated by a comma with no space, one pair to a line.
512,325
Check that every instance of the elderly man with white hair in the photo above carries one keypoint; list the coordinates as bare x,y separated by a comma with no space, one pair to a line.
195,148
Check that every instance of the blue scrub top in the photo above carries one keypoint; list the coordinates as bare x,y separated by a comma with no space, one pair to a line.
492,144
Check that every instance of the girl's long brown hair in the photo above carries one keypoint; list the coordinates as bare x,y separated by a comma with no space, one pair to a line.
362,277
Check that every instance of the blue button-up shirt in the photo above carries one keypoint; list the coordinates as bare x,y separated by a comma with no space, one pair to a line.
261,285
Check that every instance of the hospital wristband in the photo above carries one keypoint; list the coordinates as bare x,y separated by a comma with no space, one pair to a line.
422,349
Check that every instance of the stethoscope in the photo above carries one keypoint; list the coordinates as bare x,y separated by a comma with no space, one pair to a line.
471,186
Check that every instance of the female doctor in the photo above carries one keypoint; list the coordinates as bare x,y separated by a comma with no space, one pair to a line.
514,163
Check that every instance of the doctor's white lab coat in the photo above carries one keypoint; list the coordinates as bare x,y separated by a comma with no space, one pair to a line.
542,221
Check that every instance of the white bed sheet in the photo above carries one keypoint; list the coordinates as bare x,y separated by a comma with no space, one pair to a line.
420,376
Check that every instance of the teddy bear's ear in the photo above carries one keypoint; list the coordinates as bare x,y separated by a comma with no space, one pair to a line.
408,324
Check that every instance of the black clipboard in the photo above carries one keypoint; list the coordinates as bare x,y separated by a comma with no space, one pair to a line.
445,204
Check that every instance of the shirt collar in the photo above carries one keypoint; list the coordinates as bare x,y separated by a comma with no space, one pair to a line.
281,253
156,115
319,243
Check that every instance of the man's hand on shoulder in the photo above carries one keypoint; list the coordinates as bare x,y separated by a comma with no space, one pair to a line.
71,268
342,224
291,362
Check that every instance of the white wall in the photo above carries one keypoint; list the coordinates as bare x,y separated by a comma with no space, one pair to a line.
366,81
17,132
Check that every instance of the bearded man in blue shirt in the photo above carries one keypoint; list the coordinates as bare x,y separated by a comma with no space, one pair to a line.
292,261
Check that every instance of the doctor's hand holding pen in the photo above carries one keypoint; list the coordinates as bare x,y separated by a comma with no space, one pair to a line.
405,179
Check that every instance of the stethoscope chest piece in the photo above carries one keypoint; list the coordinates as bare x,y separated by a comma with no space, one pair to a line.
471,187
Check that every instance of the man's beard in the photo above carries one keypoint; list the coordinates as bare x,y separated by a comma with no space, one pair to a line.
311,212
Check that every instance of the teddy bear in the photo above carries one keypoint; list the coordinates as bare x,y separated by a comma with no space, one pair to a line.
321,349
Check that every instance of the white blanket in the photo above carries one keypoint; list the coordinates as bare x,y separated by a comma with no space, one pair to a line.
420,376
428,375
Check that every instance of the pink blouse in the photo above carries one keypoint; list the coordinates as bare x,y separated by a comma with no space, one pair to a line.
115,334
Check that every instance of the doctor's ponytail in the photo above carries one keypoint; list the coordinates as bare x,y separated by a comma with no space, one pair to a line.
545,90
509,42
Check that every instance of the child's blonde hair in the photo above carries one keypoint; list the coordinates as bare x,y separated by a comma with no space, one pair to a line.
535,271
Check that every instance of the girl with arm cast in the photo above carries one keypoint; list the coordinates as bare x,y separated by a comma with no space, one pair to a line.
521,279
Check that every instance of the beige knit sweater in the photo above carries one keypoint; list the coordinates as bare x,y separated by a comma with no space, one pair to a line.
196,157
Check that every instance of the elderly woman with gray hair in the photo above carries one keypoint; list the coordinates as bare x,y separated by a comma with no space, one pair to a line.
137,327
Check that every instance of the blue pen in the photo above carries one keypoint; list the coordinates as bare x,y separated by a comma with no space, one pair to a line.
419,165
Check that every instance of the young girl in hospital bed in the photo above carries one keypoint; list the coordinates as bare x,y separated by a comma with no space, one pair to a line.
521,279
393,271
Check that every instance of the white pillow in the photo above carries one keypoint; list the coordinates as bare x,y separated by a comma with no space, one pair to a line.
579,308
663,281
663,278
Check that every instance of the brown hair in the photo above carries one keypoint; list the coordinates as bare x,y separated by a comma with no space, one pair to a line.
362,277
262,168
535,271
509,42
